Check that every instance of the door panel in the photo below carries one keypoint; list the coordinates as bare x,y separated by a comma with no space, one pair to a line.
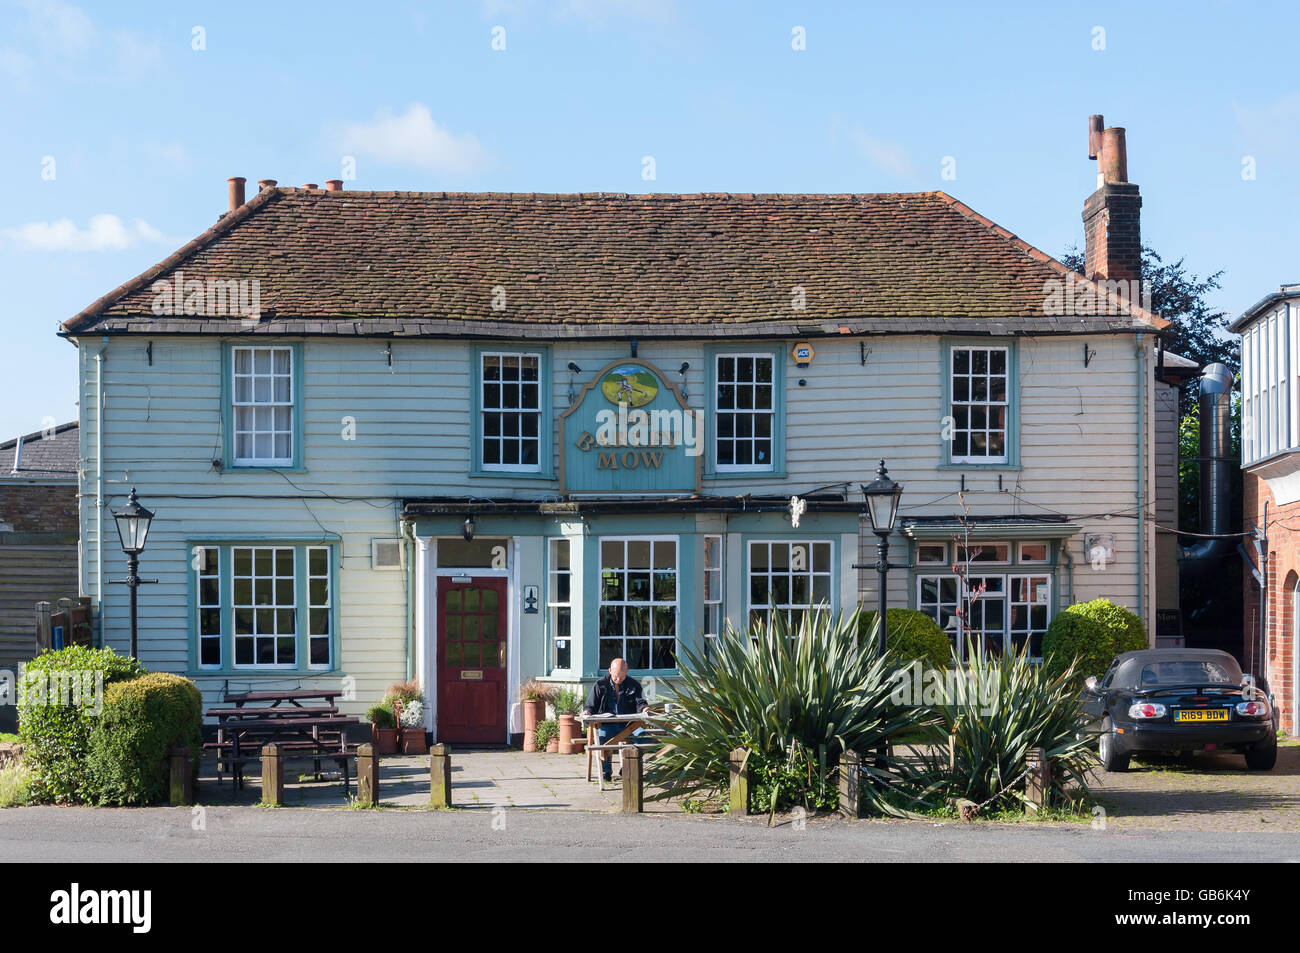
472,623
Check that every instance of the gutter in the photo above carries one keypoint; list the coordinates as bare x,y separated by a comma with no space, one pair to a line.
1142,479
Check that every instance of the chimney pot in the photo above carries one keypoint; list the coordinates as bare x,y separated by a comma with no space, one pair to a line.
1112,227
1114,155
309,185
236,186
264,184
1095,126
333,185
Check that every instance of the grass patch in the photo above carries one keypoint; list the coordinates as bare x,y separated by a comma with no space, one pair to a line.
15,785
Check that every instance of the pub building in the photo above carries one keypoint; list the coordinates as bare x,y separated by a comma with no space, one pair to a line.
476,438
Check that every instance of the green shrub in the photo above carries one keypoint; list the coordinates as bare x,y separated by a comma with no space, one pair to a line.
994,711
912,636
59,702
1090,635
143,719
547,730
381,715
15,785
798,699
569,701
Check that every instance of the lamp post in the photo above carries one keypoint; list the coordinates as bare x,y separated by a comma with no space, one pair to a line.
132,529
882,508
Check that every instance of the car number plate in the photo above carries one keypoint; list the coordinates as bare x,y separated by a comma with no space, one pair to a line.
1202,714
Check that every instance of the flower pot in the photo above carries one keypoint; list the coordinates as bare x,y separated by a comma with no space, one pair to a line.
569,730
413,741
553,746
534,711
385,740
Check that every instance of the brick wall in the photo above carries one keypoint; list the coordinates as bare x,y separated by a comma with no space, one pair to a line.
1282,576
39,509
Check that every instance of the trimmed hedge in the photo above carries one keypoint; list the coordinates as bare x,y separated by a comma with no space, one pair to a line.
143,719
912,636
58,706
1091,634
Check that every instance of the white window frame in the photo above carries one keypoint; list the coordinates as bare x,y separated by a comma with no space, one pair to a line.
737,412
972,404
253,404
502,410
327,606
1008,579
554,605
790,607
275,608
200,606
943,557
650,605
711,591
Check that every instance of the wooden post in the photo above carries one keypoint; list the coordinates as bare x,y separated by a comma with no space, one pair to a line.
740,782
633,794
440,776
272,776
43,612
182,777
1039,779
367,775
850,782
952,753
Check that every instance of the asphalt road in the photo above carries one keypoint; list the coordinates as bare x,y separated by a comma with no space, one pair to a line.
246,834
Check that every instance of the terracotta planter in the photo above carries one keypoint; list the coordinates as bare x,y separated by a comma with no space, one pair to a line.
413,741
534,711
569,730
385,740
553,746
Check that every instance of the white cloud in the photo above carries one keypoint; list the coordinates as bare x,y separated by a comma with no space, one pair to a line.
59,26
64,37
103,233
414,139
887,154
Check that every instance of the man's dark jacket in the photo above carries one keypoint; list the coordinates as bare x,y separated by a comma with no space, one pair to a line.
605,699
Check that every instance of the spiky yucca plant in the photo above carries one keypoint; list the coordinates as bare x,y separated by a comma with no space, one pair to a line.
995,710
808,694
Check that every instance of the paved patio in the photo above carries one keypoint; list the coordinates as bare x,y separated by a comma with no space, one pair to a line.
484,779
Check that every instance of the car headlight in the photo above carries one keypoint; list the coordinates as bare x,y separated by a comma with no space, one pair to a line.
1254,709
1147,710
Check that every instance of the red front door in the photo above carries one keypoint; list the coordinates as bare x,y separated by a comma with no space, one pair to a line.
472,660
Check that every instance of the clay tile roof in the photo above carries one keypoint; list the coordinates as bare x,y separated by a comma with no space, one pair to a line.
587,264
49,454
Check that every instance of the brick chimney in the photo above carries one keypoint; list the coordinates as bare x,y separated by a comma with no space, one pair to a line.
236,187
1112,215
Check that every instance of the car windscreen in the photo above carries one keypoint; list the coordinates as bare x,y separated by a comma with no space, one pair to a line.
1188,672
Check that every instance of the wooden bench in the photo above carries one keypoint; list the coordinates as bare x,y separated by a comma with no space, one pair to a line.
341,758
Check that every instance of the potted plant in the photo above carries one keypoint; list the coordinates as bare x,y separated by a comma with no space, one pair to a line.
408,710
412,722
383,727
533,696
568,703
547,736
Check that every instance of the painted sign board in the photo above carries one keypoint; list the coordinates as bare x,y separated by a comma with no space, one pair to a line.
631,431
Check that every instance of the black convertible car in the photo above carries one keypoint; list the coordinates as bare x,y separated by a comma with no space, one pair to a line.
1176,701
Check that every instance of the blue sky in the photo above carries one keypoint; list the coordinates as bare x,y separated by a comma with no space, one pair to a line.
120,132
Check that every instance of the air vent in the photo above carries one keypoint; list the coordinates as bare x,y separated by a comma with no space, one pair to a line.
387,554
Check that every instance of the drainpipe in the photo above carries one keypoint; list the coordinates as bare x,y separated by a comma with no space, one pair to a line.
99,485
1215,466
1142,479
408,543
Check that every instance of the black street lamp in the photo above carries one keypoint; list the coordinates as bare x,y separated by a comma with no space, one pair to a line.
132,529
882,508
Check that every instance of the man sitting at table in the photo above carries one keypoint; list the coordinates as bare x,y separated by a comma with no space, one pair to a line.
614,694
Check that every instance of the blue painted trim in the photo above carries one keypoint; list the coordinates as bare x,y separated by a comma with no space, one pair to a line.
227,408
226,583
780,369
545,426
1013,401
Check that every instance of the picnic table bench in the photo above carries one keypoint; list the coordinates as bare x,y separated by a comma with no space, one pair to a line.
300,730
653,729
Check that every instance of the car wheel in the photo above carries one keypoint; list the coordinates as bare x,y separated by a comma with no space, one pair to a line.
1262,755
1108,749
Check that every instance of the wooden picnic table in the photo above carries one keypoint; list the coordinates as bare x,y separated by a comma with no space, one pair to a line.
239,699
279,716
642,719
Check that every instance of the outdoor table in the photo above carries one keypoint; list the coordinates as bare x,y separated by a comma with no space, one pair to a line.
277,706
264,731
643,719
